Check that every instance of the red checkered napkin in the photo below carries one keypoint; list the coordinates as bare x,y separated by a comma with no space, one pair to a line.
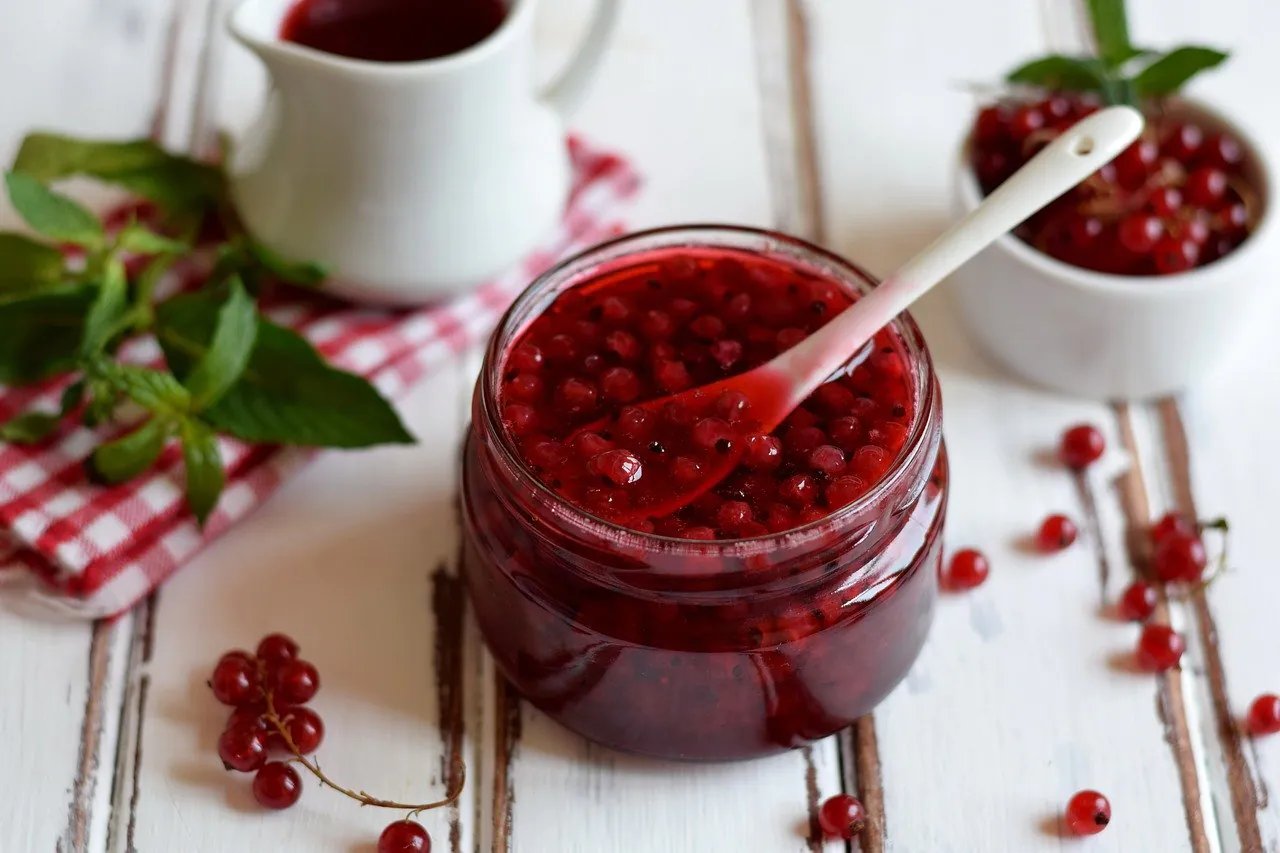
98,550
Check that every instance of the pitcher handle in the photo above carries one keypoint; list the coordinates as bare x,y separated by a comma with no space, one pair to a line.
567,90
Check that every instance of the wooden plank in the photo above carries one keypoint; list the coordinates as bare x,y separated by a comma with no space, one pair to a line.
92,69
1022,695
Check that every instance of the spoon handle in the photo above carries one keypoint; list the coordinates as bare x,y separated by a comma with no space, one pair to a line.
1081,150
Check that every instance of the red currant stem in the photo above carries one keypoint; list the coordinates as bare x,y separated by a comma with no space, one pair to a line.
362,797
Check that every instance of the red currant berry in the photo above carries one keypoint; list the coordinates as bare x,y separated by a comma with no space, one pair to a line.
1264,715
1179,558
525,357
844,490
1159,648
1056,533
235,680
250,715
1183,142
733,514
842,816
277,785
305,727
1026,120
1138,232
620,385
798,490
1136,163
968,569
621,467
827,459
1165,201
1221,151
1088,813
1081,446
764,452
1137,602
1175,255
404,836
991,124
295,682
243,748
1205,187
1169,524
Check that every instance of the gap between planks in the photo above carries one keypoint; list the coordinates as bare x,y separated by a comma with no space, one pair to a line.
111,695
783,69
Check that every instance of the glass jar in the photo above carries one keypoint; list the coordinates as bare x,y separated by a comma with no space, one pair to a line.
702,650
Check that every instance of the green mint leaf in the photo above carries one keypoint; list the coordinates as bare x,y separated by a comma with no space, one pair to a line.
141,166
34,426
229,349
1061,72
157,391
1168,73
1111,32
108,308
27,265
40,333
130,455
51,214
205,475
303,273
137,238
29,427
287,394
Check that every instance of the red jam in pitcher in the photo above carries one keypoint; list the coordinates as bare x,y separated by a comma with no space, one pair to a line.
774,609
392,30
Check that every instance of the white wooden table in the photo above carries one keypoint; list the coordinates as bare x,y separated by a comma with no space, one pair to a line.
833,119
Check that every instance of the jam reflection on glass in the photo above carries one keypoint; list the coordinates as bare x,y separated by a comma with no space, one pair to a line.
776,608
392,30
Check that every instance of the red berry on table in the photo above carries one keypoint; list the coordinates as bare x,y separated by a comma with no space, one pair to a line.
1088,813
1169,524
404,836
295,682
235,680
1179,558
305,728
842,816
968,569
1159,648
1056,533
1264,715
1137,602
277,785
1081,446
275,649
243,748
248,715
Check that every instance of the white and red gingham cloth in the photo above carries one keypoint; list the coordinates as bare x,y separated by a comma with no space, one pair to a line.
98,550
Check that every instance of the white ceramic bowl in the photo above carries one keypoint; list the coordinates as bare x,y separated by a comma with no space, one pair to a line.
1109,336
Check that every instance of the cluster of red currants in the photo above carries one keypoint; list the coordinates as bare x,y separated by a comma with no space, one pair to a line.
269,691
1177,198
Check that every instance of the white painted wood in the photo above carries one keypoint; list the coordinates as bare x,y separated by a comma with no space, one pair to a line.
1230,420
89,68
1021,696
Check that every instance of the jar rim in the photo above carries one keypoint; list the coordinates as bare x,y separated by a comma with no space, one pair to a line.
780,246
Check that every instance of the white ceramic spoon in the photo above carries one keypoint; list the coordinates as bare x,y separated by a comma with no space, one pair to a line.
777,387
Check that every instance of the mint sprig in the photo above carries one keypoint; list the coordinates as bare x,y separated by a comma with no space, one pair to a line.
228,370
1120,73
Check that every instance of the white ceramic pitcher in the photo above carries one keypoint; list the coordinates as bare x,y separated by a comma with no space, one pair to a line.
411,181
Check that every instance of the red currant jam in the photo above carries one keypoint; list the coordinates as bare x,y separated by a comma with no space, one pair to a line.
779,606
1180,197
392,30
